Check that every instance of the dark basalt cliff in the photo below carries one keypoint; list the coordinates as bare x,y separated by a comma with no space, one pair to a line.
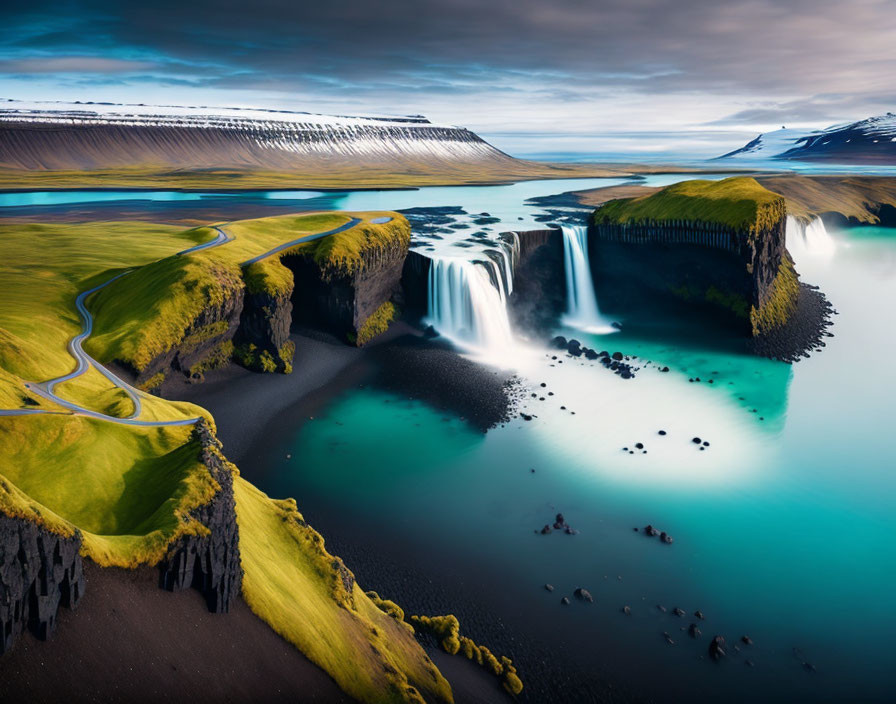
713,245
720,251
539,290
39,571
205,344
415,284
342,301
209,563
701,264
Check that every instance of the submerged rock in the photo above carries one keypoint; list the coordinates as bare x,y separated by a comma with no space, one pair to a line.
717,648
584,595
693,631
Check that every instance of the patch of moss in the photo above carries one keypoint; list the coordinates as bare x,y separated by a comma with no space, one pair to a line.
346,252
216,359
154,382
738,203
447,630
376,324
781,302
286,353
203,334
268,276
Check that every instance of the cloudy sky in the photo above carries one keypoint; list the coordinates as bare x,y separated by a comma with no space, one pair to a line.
596,76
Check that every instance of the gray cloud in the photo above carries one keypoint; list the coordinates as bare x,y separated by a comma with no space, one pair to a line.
648,61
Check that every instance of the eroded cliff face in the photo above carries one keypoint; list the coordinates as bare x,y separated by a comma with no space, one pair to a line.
262,342
342,302
209,562
39,571
701,265
539,289
207,343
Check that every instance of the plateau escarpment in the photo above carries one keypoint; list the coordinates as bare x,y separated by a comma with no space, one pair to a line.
240,148
188,313
712,246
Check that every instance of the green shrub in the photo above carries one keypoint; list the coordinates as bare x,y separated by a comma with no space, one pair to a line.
447,630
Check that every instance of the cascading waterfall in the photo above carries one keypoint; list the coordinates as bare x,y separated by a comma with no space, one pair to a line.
812,240
468,305
581,310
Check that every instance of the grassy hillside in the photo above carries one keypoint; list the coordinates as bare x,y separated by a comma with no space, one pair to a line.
739,203
855,197
131,490
334,622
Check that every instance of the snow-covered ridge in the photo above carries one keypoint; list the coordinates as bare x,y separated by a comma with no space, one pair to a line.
869,140
75,136
196,116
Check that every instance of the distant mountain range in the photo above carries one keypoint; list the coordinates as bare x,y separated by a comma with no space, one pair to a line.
870,141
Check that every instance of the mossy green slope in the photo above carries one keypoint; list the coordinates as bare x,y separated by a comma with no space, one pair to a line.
146,313
738,203
311,599
131,491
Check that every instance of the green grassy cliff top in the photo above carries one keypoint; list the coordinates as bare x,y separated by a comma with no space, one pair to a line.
740,203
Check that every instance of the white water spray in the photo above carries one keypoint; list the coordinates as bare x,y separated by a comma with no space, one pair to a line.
810,240
468,305
581,311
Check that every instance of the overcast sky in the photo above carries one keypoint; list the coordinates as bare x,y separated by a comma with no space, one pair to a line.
530,75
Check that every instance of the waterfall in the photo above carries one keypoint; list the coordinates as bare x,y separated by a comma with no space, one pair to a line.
581,309
468,305
810,240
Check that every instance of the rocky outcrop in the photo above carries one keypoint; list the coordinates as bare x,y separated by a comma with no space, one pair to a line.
39,571
207,343
722,261
539,290
415,283
262,341
209,563
341,301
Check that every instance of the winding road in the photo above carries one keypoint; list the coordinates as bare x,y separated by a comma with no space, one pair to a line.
46,389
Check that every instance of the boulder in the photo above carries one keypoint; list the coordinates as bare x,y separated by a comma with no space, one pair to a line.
717,648
583,595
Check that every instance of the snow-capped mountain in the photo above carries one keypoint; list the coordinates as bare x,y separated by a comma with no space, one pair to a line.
870,141
90,135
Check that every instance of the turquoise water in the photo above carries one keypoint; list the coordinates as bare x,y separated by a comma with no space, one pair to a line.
504,201
784,527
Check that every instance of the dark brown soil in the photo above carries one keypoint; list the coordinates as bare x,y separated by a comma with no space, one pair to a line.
129,641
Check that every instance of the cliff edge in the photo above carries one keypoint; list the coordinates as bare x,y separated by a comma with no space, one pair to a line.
716,247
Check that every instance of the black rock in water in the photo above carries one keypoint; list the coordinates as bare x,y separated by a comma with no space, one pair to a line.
717,648
584,595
